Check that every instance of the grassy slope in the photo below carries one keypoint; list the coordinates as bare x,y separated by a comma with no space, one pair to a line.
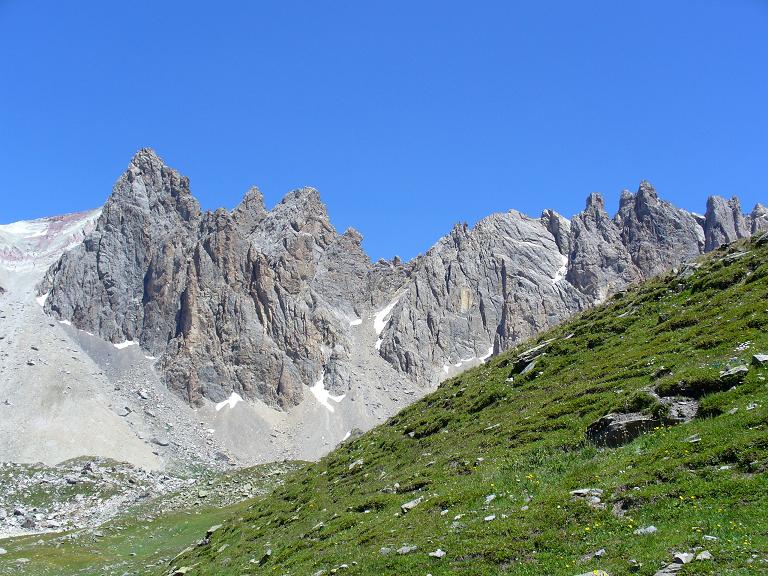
145,536
523,441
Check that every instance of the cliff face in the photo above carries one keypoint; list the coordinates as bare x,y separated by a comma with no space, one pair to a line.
250,301
263,302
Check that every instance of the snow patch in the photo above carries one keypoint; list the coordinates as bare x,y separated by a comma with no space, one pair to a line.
465,361
380,319
232,401
41,299
26,228
560,274
150,357
346,436
121,345
462,361
356,322
378,344
65,322
323,396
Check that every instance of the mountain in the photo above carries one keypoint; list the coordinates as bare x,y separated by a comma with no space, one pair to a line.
630,439
269,304
152,319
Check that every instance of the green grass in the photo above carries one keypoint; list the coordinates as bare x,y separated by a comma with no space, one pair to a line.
145,536
523,441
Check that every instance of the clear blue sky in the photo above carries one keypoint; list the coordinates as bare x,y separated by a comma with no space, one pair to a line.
407,116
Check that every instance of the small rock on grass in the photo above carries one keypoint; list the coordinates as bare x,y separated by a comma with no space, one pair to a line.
646,530
356,464
410,505
683,557
669,570
735,373
592,555
437,553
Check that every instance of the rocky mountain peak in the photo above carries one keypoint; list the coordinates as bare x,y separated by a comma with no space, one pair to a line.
148,185
640,203
146,160
758,218
626,198
353,235
599,262
253,201
250,211
724,222
305,199
298,221
656,233
646,191
595,203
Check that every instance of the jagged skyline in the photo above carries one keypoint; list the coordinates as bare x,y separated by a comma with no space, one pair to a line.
468,112
254,194
159,272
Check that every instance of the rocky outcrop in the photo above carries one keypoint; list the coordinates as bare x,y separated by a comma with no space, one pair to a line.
614,430
227,301
599,262
478,290
265,302
758,219
724,222
656,234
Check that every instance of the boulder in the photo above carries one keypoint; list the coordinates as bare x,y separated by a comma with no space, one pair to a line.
734,375
615,429
408,506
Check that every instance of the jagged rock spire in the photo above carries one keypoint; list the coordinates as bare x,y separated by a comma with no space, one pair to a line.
724,222
656,234
250,211
758,219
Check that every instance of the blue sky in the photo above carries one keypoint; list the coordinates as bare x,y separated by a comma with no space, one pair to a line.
407,116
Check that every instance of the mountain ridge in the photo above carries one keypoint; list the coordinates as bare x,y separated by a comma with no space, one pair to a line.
265,303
